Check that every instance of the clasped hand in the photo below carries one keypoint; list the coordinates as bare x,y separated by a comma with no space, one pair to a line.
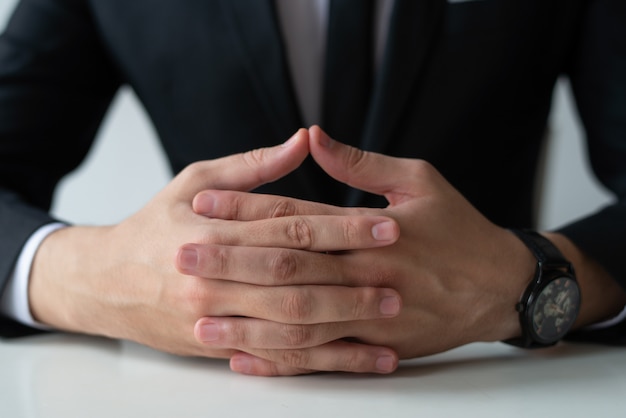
330,268
282,286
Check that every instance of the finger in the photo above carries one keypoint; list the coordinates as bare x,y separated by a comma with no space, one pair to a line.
283,267
279,267
259,266
245,334
248,364
335,356
394,178
233,205
239,333
247,170
309,304
313,233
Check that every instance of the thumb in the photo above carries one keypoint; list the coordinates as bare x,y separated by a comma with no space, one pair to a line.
246,171
368,171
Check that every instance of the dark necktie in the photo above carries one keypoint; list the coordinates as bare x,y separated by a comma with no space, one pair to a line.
348,69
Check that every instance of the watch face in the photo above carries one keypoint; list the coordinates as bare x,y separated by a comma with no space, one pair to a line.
555,309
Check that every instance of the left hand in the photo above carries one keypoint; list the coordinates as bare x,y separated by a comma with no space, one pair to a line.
458,274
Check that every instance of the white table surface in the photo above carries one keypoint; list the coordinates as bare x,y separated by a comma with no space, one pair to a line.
73,376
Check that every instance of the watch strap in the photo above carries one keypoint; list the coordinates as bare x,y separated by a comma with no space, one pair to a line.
542,248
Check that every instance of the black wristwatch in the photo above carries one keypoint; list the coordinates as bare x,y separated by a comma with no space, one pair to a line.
549,306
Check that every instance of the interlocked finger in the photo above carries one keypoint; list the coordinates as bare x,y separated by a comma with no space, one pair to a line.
240,206
310,304
334,356
312,233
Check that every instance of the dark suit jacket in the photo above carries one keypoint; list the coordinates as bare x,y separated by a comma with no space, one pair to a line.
465,86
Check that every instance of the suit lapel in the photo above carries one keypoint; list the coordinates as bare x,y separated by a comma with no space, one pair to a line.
413,26
257,35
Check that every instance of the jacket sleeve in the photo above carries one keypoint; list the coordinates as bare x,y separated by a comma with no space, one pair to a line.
598,79
56,83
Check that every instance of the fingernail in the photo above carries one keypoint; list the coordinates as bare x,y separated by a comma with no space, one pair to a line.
188,259
241,364
390,306
209,332
385,363
204,203
384,231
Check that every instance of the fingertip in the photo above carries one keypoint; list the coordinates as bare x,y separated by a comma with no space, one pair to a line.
314,129
187,259
301,135
206,330
198,327
203,203
241,363
386,232
387,363
293,151
319,137
390,305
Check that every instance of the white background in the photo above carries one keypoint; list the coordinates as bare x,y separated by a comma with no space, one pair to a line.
111,185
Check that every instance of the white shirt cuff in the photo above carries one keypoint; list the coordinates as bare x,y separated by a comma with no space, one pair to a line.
608,323
14,300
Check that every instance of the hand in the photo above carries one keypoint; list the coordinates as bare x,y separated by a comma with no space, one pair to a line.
121,281
458,274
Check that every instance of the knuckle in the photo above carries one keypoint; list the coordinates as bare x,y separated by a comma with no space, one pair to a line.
361,301
384,277
353,362
296,336
300,233
282,208
296,306
233,209
254,158
217,265
355,158
350,231
296,358
193,170
283,266
236,334
422,169
194,297
207,234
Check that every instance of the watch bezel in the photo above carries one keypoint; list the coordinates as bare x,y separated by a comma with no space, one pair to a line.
528,304
551,265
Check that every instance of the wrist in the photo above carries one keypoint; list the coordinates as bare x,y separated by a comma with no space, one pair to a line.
520,275
64,265
512,269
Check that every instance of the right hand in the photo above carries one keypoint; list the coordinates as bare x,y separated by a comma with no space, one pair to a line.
122,282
